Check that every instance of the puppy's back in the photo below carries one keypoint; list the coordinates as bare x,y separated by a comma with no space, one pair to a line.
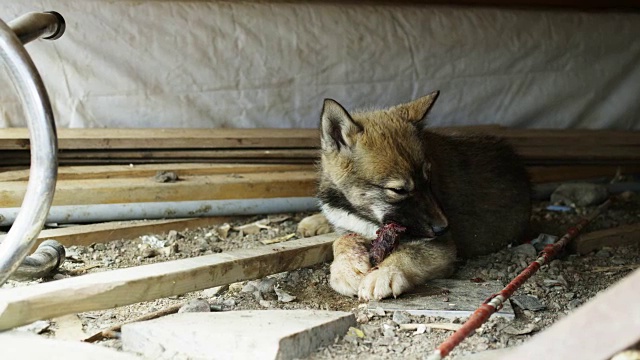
483,189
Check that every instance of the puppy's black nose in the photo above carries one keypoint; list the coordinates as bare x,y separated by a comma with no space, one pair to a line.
439,230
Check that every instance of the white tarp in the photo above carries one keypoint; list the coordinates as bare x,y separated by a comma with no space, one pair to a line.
262,64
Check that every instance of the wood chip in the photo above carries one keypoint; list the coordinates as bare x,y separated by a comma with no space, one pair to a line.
278,239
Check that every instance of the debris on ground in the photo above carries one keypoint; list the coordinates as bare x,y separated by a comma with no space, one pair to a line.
556,290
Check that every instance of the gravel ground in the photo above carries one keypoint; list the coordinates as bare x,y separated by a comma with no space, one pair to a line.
555,291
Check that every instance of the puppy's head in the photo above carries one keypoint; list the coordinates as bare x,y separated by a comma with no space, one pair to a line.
375,170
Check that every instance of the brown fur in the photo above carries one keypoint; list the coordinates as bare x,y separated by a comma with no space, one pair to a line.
382,166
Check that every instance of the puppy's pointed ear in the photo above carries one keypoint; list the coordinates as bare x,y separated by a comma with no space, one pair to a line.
416,111
338,128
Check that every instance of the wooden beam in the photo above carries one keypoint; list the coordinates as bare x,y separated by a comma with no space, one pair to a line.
546,174
97,233
618,236
607,324
150,170
109,289
190,188
174,138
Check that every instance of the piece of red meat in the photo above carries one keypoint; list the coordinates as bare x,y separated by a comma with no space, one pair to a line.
387,241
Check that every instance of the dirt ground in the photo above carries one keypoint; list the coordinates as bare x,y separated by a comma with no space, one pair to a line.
560,287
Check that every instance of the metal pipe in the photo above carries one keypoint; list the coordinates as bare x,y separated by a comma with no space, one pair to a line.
168,210
43,262
43,141
47,25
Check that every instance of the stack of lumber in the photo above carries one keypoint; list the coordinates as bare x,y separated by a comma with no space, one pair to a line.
127,146
115,166
145,146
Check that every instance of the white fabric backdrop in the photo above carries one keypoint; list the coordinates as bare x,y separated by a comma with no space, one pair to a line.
251,64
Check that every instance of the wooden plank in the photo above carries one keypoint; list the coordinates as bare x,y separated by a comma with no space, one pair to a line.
190,188
546,174
608,323
618,236
109,289
150,170
116,230
148,153
173,138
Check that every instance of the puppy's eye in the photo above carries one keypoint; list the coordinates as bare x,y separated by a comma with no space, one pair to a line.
399,191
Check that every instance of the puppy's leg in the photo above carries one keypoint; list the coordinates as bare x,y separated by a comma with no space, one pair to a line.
350,264
312,225
411,264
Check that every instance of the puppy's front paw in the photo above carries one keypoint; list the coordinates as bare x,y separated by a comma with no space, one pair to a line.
347,271
313,225
383,282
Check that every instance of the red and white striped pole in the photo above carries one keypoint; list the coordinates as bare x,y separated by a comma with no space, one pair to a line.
495,302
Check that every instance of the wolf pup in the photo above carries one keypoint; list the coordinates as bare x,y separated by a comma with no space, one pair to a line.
456,195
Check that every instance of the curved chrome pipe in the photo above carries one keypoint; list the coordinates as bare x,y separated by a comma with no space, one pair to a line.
43,262
43,140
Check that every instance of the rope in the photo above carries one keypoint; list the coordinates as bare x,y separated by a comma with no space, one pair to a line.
495,301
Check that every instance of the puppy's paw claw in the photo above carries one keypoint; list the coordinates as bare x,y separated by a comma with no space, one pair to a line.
382,283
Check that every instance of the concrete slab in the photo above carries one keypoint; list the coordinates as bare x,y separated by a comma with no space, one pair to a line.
248,334
446,298
23,346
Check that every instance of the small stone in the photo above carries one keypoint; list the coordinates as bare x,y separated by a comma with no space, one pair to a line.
223,231
526,249
58,277
197,305
202,245
235,287
497,274
527,302
580,194
265,285
562,281
250,287
574,304
379,311
284,296
603,253
215,291
172,236
362,318
555,264
229,302
569,295
401,317
388,332
152,241
266,303
169,250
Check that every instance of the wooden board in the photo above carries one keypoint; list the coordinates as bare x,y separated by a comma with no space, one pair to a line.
98,233
190,188
123,146
462,299
546,174
109,289
150,170
173,138
608,323
618,236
